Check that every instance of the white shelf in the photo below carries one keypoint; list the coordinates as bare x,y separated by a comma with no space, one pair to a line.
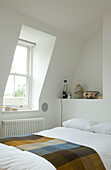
82,99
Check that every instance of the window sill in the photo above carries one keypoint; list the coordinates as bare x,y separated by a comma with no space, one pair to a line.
19,111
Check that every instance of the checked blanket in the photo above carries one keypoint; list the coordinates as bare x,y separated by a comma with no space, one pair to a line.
63,155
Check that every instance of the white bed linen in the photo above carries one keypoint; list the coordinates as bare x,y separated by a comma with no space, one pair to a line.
12,158
101,143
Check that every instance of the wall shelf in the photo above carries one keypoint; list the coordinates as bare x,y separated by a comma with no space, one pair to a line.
81,99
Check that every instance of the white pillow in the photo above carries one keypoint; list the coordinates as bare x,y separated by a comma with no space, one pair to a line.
104,127
81,124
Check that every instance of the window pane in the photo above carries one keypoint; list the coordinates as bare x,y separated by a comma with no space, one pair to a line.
8,101
20,90
20,101
9,87
19,64
9,91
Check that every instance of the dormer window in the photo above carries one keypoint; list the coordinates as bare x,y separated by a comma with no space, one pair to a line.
28,70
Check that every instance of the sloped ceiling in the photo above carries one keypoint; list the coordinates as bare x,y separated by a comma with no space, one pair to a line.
79,17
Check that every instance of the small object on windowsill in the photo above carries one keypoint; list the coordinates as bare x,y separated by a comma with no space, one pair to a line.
3,108
7,108
14,109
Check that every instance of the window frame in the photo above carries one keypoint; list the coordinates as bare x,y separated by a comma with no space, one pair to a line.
28,79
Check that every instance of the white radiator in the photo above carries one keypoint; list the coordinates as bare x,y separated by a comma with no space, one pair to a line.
22,126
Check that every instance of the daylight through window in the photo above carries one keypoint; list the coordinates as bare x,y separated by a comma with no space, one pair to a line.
17,88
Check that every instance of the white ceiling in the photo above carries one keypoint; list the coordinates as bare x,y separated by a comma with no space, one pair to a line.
80,17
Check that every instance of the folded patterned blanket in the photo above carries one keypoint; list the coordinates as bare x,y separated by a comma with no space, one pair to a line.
63,155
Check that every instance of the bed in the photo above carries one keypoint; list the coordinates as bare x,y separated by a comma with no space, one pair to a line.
16,159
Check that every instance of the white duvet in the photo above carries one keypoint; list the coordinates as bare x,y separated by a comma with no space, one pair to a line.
15,159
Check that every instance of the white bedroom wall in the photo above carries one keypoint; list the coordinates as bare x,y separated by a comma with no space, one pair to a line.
41,58
89,71
62,64
9,33
99,110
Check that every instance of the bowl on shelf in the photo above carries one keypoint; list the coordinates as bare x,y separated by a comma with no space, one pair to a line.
90,94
